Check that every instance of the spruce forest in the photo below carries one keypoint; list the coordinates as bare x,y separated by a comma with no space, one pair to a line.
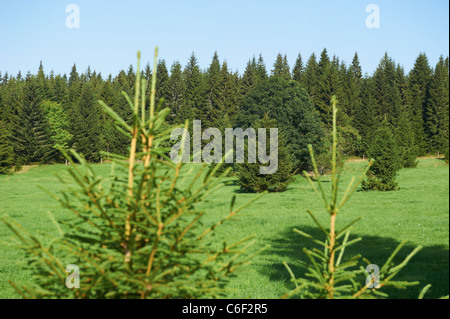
44,110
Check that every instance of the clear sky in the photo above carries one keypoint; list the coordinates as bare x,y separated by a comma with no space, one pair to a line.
112,31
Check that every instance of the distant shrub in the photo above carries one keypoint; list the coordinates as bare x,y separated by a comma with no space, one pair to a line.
18,167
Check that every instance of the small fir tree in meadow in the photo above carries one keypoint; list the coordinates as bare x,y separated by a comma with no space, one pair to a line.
249,175
387,158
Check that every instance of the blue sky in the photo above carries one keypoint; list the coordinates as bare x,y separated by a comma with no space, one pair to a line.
112,31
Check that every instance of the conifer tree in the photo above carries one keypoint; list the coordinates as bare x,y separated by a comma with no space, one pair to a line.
325,77
404,130
228,101
87,138
310,79
177,96
437,112
386,91
297,71
281,67
59,91
6,150
419,79
354,83
195,86
30,138
74,86
108,133
249,78
260,70
210,113
387,159
250,178
366,119
162,83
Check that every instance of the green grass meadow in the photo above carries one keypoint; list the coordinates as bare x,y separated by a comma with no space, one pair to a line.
418,213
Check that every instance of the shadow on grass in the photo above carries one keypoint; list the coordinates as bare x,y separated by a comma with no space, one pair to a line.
429,266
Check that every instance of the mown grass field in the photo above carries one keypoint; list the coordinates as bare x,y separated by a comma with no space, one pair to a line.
417,213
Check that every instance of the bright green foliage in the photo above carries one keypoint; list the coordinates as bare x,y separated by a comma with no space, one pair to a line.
387,161
58,124
288,103
251,180
136,233
330,274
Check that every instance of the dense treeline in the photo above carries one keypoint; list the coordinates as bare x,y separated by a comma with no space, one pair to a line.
39,113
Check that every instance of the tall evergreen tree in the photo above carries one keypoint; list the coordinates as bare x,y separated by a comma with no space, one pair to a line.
354,83
260,70
87,138
281,68
366,119
325,88
310,78
177,96
419,79
210,113
386,91
228,102
195,86
162,82
404,130
6,150
297,71
249,78
437,112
